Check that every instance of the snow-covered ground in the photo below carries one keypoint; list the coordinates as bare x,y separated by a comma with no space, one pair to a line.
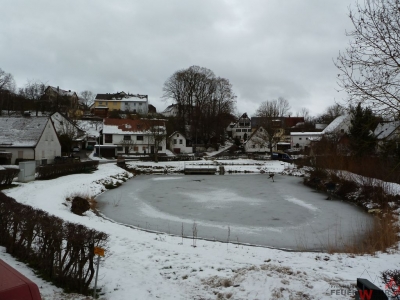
142,265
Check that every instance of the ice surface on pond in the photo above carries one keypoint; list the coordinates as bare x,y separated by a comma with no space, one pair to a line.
301,203
283,213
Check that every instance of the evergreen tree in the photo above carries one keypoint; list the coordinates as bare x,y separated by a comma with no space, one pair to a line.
363,123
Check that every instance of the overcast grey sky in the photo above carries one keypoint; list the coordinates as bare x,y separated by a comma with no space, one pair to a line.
266,48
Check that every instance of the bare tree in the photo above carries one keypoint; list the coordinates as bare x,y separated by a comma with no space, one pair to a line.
331,113
86,98
370,66
157,134
204,101
7,87
129,145
7,81
34,91
271,122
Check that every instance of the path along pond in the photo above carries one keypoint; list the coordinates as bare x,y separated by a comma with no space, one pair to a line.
282,214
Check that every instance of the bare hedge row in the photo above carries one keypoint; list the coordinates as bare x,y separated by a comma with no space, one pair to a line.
60,251
7,176
54,171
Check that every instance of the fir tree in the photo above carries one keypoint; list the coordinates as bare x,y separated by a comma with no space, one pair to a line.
362,139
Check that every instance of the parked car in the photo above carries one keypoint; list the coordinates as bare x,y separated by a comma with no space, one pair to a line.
76,149
282,156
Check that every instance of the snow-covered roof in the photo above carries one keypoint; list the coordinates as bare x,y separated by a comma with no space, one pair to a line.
335,125
305,133
121,96
62,92
21,132
383,130
127,126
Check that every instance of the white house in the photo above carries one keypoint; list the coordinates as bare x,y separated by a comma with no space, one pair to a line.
242,128
178,143
257,142
122,101
125,136
29,138
340,125
387,131
65,125
302,140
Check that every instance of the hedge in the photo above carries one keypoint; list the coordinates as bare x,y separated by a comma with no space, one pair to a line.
54,171
59,251
7,176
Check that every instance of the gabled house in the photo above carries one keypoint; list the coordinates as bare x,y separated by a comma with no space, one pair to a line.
30,138
120,101
387,132
340,125
170,111
258,142
92,129
66,101
179,144
65,126
280,127
241,129
303,140
125,136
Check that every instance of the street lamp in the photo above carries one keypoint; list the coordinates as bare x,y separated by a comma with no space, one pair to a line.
99,146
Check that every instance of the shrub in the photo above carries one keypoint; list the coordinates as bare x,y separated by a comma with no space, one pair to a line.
79,205
54,171
7,176
346,187
59,251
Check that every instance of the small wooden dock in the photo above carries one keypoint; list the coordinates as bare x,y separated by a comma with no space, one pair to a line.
200,170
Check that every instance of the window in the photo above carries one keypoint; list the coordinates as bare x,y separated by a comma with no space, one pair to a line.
180,141
108,138
241,124
174,141
341,130
127,137
126,103
139,138
246,124
140,104
100,103
254,146
120,149
261,129
306,138
159,148
134,104
177,135
238,130
248,130
136,148
299,139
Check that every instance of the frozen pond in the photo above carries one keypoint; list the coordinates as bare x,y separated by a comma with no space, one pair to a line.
284,213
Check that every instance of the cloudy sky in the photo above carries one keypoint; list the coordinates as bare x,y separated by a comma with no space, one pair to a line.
266,48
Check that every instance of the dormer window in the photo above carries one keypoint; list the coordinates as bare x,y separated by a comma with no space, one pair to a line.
127,126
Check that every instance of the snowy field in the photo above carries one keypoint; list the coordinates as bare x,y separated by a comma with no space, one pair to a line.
142,265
